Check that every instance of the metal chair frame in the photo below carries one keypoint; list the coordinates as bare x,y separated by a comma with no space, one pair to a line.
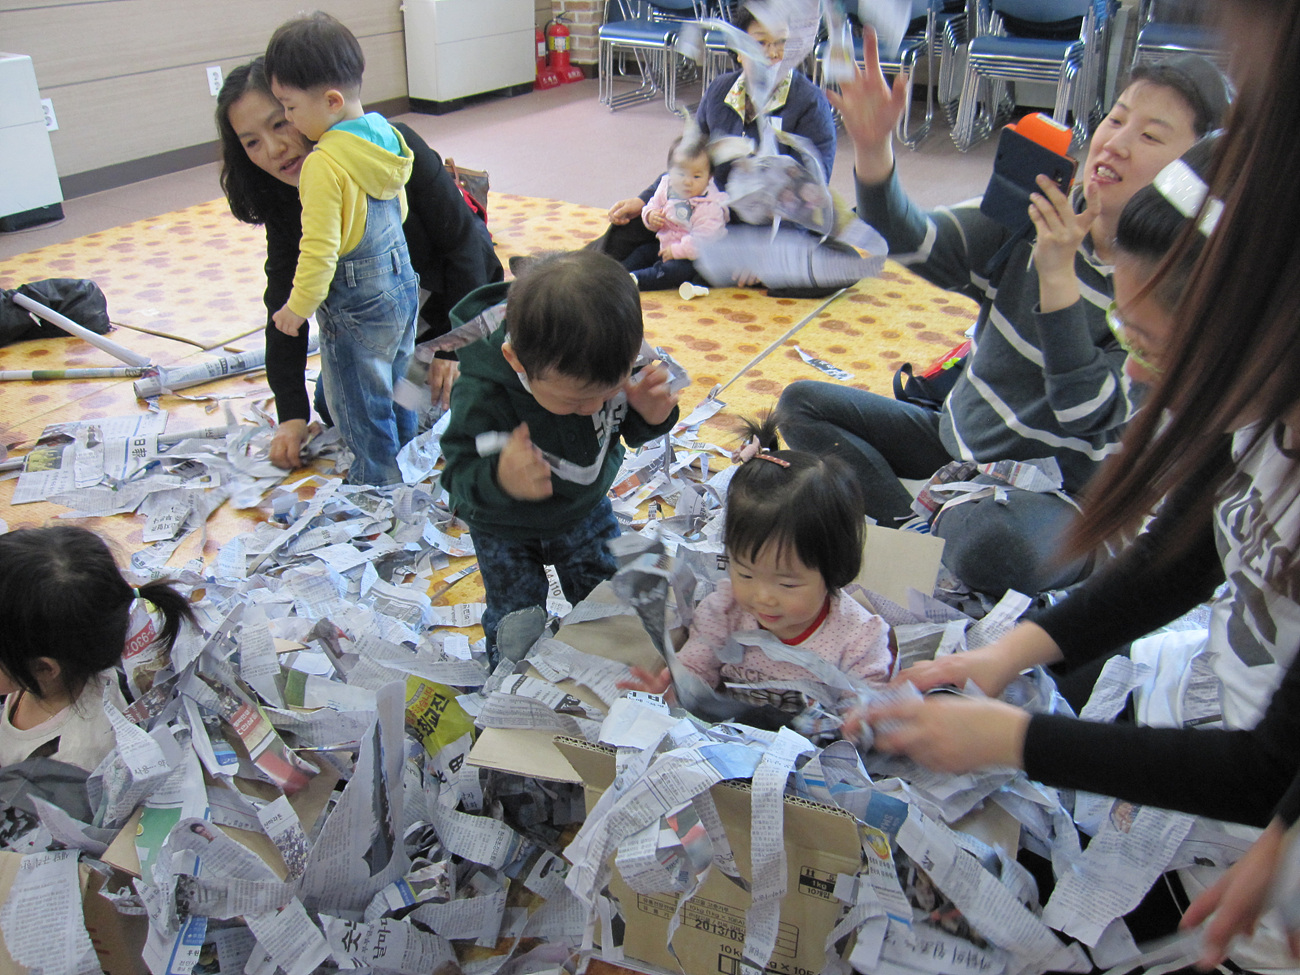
1075,72
651,42
718,58
913,48
1158,39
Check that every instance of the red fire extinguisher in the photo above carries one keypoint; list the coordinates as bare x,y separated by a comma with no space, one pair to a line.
546,77
557,41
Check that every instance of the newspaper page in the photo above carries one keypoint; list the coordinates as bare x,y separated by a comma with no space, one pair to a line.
1133,848
42,920
359,850
991,908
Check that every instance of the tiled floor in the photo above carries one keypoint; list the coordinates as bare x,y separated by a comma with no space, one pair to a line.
560,144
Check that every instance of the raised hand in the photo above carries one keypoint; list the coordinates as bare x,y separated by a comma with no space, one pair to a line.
1060,231
871,109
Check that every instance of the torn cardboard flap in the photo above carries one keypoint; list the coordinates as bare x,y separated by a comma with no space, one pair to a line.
519,752
118,938
621,638
821,842
894,562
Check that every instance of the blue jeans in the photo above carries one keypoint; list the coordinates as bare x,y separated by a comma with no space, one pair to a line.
652,274
513,573
881,439
991,546
367,337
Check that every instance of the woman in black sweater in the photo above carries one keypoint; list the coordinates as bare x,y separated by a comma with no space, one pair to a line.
450,247
1230,375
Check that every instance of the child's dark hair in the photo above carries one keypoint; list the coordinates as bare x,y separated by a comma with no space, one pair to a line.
812,506
315,50
63,597
1150,225
577,313
1197,81
694,148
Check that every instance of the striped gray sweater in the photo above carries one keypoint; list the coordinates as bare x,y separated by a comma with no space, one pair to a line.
1035,385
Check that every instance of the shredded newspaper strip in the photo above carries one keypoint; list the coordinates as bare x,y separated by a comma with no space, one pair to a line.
329,773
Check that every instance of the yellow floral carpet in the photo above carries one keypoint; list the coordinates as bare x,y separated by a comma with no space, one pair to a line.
195,275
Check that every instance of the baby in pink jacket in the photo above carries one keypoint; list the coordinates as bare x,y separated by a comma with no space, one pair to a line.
686,210
793,534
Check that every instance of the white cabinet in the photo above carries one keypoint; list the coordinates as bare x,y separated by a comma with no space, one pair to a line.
458,48
29,183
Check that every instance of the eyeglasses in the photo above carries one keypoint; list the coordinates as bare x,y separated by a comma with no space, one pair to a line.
1119,330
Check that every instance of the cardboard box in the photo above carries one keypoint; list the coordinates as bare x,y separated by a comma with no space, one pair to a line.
820,842
118,938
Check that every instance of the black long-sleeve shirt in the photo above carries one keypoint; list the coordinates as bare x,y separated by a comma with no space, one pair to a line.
1239,776
450,248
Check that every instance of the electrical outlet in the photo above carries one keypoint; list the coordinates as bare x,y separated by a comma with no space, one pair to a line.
47,107
214,79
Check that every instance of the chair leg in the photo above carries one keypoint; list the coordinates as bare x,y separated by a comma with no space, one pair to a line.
913,139
963,131
648,89
604,71
952,66
670,78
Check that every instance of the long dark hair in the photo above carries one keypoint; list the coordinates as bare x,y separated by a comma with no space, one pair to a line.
253,194
1236,356
63,597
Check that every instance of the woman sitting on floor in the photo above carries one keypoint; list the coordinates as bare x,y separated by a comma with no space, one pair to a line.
797,107
1216,711
1044,376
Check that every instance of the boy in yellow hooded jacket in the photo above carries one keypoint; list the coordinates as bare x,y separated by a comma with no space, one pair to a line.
354,272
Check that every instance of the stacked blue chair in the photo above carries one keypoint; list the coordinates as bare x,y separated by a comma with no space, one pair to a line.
718,58
921,41
1015,42
1165,29
650,41
952,34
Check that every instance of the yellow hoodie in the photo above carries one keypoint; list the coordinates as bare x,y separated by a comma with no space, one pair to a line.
337,177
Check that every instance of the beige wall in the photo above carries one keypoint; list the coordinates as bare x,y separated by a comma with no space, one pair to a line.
128,79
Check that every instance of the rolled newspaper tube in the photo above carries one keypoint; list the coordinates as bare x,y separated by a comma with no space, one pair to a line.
105,372
197,373
72,328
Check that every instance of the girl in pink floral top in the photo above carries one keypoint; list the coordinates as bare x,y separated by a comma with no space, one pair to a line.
794,534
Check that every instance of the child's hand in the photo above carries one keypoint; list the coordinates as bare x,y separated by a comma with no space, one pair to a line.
666,252
443,374
648,394
286,445
654,219
1060,231
287,322
643,680
522,470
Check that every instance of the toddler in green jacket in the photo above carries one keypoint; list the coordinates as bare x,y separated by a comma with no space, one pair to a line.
539,417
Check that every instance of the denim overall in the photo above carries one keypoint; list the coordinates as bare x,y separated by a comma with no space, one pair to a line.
367,331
